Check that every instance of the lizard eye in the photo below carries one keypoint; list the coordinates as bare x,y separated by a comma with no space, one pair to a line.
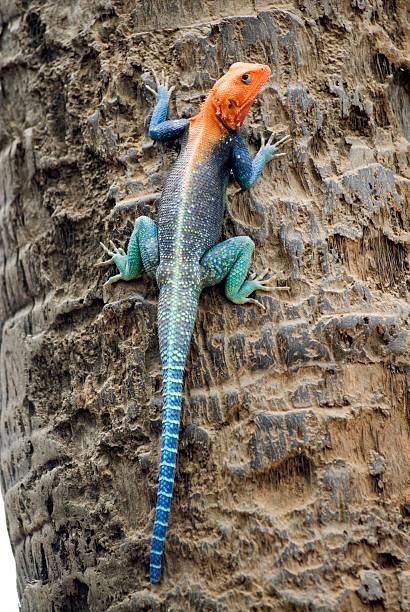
246,79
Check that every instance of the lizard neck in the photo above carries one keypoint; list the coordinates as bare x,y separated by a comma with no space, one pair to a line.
206,126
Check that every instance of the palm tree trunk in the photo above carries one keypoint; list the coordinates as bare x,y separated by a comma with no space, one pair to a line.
292,487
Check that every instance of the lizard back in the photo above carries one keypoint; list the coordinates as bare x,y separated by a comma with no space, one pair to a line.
190,221
192,204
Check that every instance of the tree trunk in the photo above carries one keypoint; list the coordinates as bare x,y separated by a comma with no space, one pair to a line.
293,480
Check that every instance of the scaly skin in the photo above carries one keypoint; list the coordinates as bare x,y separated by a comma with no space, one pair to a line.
184,253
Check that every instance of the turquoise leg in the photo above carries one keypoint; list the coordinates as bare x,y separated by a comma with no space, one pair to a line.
231,260
142,252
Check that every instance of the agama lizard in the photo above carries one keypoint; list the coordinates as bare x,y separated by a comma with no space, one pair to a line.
184,253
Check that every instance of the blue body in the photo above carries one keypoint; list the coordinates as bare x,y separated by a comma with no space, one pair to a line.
191,213
184,255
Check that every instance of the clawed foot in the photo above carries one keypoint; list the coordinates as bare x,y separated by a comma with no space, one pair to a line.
275,146
262,281
258,282
253,301
115,251
115,257
162,84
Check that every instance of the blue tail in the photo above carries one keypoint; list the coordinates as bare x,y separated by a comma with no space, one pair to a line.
176,318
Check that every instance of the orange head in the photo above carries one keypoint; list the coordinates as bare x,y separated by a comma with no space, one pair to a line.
233,94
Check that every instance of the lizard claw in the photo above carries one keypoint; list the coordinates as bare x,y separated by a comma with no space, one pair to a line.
151,90
272,147
263,286
279,143
253,301
260,277
162,84
103,264
107,250
261,282
113,279
107,262
117,250
155,77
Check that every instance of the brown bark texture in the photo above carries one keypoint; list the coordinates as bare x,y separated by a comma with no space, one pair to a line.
293,481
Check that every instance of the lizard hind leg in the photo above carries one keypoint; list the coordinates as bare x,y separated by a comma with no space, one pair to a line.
142,252
231,260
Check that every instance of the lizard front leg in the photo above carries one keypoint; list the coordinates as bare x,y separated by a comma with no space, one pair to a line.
231,260
142,253
247,170
160,128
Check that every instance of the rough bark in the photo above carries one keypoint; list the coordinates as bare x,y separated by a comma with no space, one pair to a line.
293,481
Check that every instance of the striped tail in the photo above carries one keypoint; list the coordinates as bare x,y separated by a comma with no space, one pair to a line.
176,318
